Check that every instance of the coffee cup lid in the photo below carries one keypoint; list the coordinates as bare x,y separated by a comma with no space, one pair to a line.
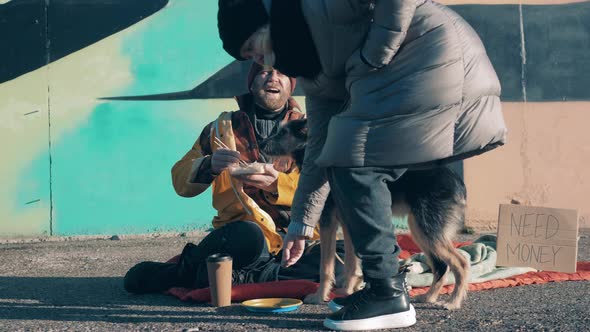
220,257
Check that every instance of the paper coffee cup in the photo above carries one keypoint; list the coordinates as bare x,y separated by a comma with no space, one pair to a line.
219,271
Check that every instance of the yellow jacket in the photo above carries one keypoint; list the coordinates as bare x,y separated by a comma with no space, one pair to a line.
229,198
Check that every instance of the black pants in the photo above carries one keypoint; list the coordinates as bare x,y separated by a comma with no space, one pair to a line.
252,262
364,198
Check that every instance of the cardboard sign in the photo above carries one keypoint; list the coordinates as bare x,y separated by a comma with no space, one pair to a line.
543,238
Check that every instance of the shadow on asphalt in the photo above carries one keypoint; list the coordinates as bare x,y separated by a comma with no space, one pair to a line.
104,299
76,291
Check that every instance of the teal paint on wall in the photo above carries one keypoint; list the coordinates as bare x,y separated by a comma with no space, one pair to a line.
178,48
111,174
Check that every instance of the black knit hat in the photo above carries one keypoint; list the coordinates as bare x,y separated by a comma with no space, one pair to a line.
237,20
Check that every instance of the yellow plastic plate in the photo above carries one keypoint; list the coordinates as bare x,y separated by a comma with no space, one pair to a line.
272,305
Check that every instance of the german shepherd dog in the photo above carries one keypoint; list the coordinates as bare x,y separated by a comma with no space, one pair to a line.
432,199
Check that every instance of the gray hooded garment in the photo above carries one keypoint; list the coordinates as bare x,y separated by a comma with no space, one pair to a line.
424,94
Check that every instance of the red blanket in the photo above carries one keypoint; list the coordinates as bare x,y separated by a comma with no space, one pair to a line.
300,288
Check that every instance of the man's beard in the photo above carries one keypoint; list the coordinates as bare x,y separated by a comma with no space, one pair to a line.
269,101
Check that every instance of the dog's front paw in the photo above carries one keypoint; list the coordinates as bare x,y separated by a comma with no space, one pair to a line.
449,305
424,298
315,298
351,287
345,291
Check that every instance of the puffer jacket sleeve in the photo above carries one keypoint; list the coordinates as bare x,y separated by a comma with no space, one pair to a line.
391,20
313,188
342,11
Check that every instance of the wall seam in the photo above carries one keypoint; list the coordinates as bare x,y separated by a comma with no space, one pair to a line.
47,61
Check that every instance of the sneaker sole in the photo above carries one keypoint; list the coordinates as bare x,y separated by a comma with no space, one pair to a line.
393,321
333,306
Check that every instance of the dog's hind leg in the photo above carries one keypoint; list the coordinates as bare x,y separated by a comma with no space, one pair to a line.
353,274
438,266
437,201
328,230
443,256
458,264
460,268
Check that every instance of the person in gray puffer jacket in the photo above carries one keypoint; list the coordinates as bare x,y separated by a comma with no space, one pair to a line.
390,85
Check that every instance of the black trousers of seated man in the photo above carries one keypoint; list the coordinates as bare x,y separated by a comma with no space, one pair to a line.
252,262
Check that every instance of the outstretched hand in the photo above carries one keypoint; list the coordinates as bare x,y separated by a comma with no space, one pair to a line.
293,247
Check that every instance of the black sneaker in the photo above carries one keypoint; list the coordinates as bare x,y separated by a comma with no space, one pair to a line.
151,277
384,304
339,302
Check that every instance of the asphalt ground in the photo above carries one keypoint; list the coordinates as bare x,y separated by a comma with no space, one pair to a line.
76,285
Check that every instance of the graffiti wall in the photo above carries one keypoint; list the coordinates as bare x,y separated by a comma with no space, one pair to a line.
98,99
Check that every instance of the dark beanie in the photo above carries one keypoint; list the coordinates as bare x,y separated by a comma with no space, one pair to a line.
256,68
237,20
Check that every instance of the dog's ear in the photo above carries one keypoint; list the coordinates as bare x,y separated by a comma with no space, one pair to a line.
299,127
